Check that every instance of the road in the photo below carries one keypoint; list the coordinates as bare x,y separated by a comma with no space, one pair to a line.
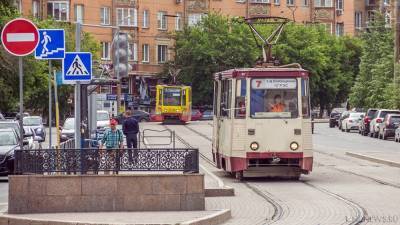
340,190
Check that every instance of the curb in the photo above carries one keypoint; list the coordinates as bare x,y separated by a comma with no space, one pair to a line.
373,159
219,192
219,217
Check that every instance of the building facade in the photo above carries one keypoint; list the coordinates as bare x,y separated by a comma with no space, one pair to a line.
150,24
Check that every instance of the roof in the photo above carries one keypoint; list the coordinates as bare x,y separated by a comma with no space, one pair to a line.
264,72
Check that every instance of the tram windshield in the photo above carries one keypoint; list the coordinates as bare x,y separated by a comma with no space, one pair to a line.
274,98
172,97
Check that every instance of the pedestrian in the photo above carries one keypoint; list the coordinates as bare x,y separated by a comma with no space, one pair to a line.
112,141
130,127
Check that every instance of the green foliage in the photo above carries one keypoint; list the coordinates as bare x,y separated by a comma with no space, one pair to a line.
219,43
374,86
36,71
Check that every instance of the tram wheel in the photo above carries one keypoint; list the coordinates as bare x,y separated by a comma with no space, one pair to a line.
239,175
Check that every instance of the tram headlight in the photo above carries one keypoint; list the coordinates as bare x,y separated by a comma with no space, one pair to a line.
294,146
254,146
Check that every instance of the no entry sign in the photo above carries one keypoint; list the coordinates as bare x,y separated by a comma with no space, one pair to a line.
20,37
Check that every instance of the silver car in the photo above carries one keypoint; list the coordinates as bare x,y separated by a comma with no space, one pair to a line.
352,121
377,120
36,123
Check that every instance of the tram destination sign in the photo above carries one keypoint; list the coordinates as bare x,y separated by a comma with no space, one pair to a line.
274,83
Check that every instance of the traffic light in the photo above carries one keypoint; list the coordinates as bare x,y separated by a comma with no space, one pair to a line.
121,54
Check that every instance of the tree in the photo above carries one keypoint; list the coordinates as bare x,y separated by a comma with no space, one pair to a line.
374,85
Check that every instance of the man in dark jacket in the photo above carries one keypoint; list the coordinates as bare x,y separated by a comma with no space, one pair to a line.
130,128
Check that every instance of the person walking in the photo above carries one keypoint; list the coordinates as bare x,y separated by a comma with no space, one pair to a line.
112,141
130,128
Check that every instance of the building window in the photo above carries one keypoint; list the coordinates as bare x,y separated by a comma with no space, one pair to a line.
387,20
339,4
260,1
162,53
35,9
328,27
194,18
277,2
305,2
105,15
162,20
290,2
106,48
370,16
146,19
146,51
58,10
133,52
18,5
386,2
79,13
323,3
339,29
178,21
358,20
127,17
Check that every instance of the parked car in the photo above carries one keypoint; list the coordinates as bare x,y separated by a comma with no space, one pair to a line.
196,115
24,115
2,117
11,124
343,116
334,116
67,130
388,126
103,119
8,145
141,116
377,120
207,115
352,121
36,123
364,125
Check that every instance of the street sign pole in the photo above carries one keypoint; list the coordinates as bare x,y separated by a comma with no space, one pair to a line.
77,92
57,111
21,102
50,106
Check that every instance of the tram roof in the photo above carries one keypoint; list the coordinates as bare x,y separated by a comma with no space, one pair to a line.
263,72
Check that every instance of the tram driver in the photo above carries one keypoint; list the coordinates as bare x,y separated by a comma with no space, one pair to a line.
278,105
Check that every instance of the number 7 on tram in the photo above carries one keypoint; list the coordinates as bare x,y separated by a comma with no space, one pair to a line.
262,123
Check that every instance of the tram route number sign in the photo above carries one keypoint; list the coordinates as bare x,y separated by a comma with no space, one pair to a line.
274,83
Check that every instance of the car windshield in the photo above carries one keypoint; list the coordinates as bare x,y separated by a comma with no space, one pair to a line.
207,112
355,115
101,116
395,119
69,124
7,138
384,113
274,98
172,97
338,110
371,113
32,121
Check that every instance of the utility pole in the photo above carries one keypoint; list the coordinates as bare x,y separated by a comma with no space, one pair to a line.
396,45
77,109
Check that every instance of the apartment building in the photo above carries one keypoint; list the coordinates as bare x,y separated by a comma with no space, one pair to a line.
150,23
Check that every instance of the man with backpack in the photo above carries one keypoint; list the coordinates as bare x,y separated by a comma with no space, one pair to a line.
112,141
130,128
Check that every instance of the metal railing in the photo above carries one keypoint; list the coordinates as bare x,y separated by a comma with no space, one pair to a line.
68,161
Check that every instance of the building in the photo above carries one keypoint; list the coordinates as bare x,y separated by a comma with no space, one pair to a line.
150,23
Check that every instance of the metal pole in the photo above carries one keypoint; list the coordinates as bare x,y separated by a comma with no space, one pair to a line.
396,41
21,103
118,77
57,111
50,106
77,135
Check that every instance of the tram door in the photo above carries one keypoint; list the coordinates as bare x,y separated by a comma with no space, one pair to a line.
224,116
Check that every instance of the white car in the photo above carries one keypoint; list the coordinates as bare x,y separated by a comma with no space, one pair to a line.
377,120
352,121
103,119
397,135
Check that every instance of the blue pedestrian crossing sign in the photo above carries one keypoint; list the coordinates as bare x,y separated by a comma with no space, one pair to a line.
77,66
51,44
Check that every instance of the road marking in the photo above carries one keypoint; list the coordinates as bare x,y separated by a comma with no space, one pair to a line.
20,37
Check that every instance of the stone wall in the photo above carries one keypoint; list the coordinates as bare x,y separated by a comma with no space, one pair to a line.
96,193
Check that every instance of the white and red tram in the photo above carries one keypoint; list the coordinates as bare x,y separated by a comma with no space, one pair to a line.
262,123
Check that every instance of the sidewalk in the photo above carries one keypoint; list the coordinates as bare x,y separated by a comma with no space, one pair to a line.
386,158
208,217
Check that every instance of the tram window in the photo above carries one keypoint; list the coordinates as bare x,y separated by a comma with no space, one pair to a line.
305,98
240,100
172,97
160,97
226,94
215,97
274,98
183,97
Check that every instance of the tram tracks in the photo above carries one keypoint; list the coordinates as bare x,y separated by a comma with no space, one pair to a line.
359,212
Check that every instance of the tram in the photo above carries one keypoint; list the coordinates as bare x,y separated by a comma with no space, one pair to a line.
174,103
262,122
